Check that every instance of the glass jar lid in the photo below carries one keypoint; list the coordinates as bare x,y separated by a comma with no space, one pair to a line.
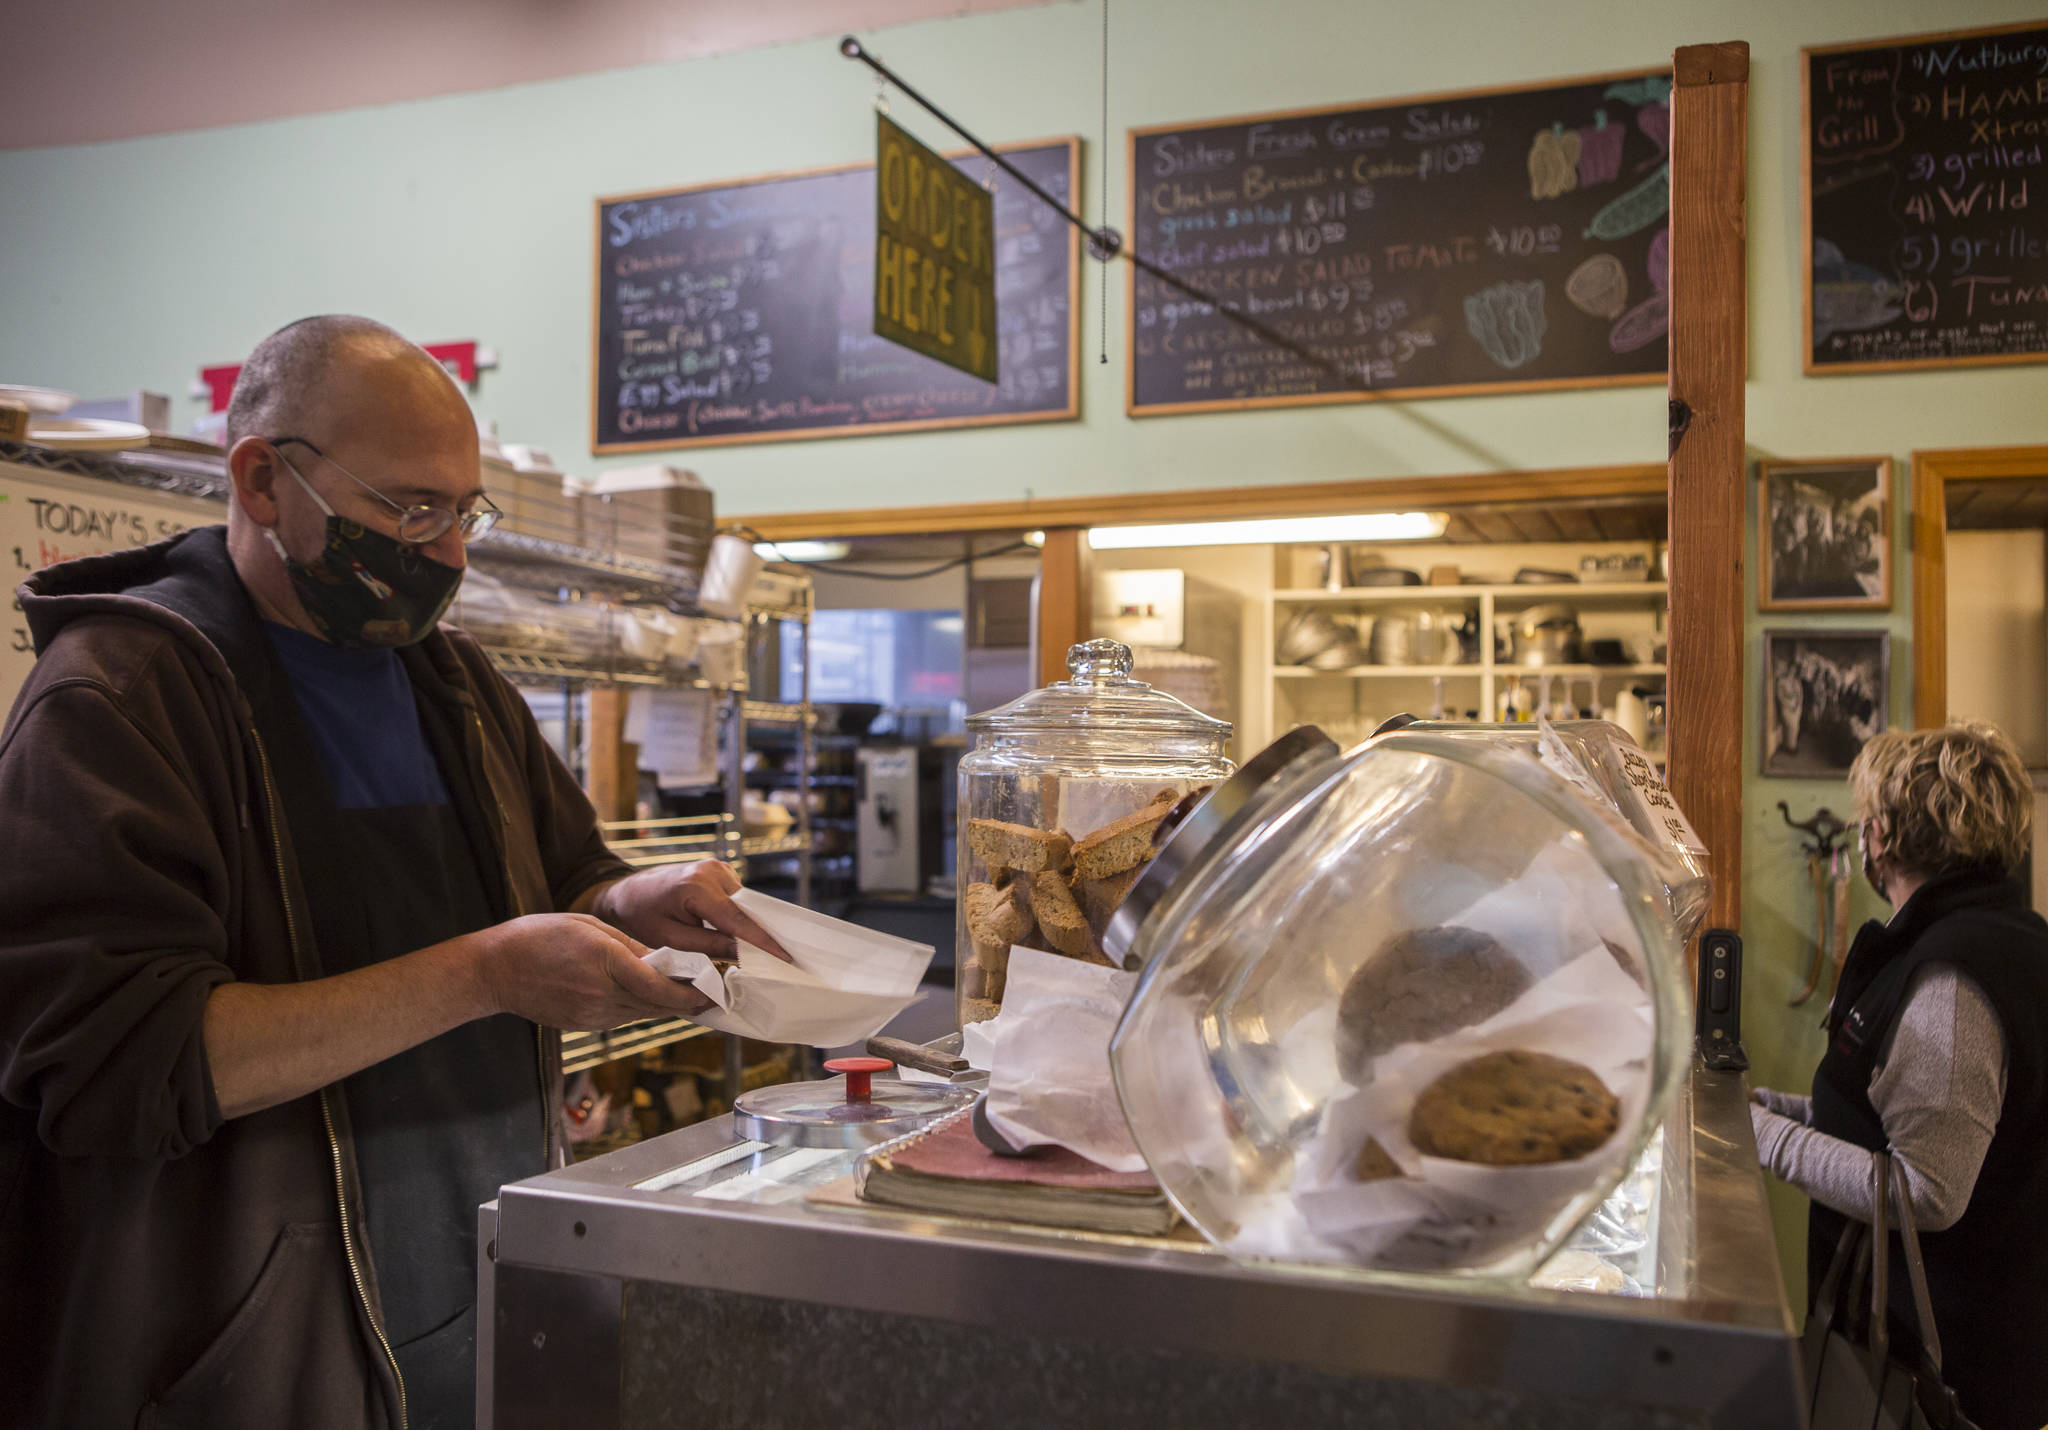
1099,693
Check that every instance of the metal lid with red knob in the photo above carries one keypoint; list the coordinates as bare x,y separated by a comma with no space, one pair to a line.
856,1108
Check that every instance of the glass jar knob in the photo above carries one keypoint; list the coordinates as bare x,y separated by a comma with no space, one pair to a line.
1100,661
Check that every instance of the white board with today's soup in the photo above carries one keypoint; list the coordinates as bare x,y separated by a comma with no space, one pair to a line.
47,517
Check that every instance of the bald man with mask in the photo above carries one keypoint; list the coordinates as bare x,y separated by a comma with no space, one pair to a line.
293,897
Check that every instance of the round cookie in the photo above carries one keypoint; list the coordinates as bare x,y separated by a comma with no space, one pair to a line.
1514,1109
1420,985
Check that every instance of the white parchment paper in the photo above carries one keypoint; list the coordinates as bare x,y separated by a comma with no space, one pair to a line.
1049,1078
843,983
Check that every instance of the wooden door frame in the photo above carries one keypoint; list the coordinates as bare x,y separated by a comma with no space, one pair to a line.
1065,588
1933,470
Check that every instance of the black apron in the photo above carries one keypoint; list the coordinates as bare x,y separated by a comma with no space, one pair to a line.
1988,1274
439,1128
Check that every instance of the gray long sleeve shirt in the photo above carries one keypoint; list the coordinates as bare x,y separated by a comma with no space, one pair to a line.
1938,1091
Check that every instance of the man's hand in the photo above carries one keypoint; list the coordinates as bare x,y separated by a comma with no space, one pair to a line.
573,971
687,906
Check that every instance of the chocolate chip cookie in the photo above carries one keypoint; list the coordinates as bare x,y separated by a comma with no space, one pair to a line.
1514,1109
1420,985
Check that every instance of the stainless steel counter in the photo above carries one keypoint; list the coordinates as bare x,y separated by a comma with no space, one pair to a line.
688,1277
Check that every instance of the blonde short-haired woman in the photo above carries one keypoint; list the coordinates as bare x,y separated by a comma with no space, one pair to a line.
1938,1048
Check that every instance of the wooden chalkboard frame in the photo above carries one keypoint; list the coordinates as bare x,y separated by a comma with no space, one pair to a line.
1850,369
875,429
1324,399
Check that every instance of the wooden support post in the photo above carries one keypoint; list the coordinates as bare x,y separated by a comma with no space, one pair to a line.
1066,591
1709,362
614,775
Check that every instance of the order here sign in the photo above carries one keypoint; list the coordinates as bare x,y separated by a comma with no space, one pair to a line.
935,264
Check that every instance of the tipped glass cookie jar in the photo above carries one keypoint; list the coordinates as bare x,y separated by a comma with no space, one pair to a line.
1061,794
1416,1006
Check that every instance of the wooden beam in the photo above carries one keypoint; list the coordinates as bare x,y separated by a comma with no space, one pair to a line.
614,775
1212,504
1709,361
1066,596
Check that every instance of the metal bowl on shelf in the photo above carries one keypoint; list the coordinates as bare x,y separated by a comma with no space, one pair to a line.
1306,634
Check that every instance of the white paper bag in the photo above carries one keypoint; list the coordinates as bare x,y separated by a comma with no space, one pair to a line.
1049,1078
843,983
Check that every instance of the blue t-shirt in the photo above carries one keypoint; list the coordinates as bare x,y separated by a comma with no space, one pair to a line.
358,707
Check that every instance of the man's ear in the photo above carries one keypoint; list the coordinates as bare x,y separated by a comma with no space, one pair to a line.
254,467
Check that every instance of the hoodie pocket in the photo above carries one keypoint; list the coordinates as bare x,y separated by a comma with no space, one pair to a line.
260,1370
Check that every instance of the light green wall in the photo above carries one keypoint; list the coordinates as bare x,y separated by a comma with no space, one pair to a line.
129,265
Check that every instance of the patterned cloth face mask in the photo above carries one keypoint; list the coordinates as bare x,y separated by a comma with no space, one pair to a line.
366,589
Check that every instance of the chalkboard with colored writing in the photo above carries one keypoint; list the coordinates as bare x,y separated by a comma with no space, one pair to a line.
1492,241
1927,201
744,312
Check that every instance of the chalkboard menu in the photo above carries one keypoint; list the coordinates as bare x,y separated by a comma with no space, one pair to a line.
1925,243
1492,241
743,312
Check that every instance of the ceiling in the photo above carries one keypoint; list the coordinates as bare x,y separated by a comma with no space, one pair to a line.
1997,505
88,71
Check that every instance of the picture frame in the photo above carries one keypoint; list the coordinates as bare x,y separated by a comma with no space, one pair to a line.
1826,692
1824,535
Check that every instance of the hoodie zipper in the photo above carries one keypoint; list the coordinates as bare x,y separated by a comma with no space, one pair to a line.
348,1239
543,1066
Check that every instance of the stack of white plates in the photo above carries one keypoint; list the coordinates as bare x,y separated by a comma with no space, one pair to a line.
47,428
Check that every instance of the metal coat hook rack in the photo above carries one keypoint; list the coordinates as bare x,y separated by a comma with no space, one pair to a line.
1824,832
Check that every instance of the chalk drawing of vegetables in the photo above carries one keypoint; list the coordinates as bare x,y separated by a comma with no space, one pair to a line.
1642,325
1655,121
1507,321
1553,162
1599,286
1635,210
1600,151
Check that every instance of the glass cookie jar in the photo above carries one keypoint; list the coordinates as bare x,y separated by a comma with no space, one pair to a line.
1415,1006
1061,794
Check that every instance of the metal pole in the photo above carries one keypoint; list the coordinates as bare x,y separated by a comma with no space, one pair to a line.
1104,242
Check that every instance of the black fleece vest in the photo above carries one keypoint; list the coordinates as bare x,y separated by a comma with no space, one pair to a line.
1988,1274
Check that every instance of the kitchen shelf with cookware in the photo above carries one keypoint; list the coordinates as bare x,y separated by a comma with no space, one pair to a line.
1580,635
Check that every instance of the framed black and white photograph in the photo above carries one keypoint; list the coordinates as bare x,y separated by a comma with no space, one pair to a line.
1824,697
1824,533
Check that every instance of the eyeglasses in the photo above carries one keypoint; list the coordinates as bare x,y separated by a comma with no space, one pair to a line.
417,525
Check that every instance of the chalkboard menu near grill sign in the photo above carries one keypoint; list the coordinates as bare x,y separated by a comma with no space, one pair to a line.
743,312
1926,240
1490,241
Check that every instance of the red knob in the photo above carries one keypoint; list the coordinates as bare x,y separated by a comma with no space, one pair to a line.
860,1073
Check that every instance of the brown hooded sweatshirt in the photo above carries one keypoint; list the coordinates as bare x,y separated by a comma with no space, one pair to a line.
159,1265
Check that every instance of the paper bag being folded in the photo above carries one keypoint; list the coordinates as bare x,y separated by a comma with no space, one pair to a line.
843,982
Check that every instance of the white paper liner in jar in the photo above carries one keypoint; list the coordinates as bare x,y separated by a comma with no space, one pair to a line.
1589,1011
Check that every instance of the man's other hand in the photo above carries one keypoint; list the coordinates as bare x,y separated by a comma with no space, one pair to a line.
575,972
687,906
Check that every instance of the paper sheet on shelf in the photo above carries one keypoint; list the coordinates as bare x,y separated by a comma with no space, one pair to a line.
842,985
1049,1078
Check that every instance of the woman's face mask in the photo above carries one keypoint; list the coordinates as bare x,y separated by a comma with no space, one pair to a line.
367,589
1871,872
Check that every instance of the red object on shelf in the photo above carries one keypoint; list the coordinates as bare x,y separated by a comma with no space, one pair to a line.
458,358
860,1074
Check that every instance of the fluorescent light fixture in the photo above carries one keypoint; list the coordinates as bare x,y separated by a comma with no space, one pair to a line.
1371,526
1034,538
801,550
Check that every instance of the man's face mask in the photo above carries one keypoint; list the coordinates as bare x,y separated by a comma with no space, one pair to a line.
366,589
